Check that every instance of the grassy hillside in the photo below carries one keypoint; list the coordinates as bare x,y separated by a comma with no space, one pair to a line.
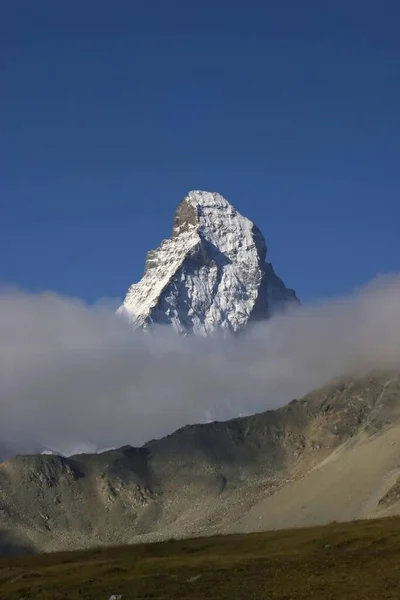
358,560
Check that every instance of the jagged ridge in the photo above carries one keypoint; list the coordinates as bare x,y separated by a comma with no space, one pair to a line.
210,274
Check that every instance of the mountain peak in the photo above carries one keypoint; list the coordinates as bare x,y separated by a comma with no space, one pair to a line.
210,274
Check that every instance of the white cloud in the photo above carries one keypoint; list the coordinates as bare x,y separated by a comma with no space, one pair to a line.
72,374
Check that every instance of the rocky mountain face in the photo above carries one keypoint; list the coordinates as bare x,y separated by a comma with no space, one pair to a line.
211,274
334,455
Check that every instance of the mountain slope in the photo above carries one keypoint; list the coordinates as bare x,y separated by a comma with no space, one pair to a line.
332,455
210,274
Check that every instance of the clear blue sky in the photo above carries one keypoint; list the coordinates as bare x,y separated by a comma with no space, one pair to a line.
111,111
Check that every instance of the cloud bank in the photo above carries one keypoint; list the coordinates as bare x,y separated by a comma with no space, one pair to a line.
73,377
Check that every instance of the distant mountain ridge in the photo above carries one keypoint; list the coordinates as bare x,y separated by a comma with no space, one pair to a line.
330,456
211,274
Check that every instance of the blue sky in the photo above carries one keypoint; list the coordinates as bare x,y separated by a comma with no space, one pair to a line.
111,111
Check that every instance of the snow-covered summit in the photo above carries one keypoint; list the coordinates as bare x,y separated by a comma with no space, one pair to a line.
210,274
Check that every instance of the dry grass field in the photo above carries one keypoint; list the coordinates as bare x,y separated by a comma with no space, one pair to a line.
359,560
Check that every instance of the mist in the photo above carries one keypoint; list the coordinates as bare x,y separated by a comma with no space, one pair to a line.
74,377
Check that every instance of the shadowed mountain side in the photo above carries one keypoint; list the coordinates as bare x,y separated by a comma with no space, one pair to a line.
13,544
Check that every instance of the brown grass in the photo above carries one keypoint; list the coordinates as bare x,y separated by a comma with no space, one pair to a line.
347,561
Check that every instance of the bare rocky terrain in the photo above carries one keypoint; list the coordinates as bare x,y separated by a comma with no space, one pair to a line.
333,455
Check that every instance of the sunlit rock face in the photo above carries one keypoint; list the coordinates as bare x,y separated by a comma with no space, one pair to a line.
210,275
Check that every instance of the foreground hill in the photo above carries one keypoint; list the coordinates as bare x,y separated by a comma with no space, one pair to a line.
333,455
355,561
